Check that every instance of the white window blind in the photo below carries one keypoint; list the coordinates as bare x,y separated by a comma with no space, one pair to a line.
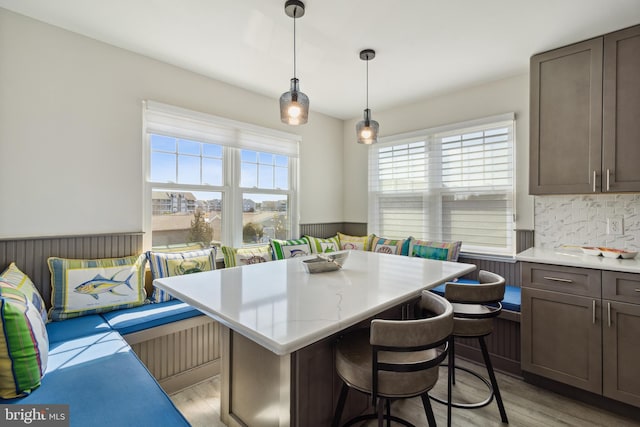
447,184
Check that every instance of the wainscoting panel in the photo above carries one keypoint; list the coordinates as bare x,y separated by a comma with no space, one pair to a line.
30,254
503,345
330,229
180,354
509,270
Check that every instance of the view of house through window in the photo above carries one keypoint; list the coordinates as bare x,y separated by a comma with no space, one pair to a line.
224,193
447,184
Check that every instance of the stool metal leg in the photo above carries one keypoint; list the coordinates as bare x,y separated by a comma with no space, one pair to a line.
452,359
388,412
492,378
380,411
450,377
428,410
340,407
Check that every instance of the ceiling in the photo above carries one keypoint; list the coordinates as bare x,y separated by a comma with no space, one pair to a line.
424,47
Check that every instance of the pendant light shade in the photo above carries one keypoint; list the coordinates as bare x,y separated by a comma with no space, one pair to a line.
294,105
367,129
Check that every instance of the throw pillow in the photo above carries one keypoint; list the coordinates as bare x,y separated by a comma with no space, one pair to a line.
361,243
390,246
283,249
321,246
444,251
245,256
21,281
165,264
88,286
24,344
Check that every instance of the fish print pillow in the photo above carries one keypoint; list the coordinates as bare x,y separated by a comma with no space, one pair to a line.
323,246
177,264
246,256
284,249
80,287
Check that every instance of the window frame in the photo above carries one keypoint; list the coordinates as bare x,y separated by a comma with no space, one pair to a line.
234,136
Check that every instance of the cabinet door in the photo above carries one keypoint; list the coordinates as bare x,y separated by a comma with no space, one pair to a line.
621,366
566,119
561,338
621,101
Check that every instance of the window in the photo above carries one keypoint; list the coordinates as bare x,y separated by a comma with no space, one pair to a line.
217,181
446,184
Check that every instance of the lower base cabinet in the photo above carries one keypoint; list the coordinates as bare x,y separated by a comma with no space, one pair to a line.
621,352
581,327
560,341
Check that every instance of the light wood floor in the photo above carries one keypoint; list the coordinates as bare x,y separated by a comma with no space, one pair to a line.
526,405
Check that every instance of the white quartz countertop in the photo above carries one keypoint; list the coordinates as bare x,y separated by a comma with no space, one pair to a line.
283,308
573,257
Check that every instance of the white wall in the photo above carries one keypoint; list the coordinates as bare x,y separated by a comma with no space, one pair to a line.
507,95
70,132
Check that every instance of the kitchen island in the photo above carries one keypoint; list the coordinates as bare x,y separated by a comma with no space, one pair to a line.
280,324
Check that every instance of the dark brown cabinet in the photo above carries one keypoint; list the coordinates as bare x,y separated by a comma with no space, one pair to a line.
621,111
584,104
581,327
561,325
620,336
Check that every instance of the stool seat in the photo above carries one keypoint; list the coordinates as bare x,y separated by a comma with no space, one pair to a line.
466,322
354,364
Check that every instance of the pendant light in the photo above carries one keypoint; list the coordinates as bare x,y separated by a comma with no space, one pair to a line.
367,129
294,105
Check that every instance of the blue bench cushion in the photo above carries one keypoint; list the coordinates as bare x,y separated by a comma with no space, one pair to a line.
104,383
148,316
511,299
76,328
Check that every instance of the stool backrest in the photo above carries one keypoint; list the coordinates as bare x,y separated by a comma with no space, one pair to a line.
403,336
489,291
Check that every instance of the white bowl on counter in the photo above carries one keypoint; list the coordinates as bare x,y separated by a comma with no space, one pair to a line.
617,253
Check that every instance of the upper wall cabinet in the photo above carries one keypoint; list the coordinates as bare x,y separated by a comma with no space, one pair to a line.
585,116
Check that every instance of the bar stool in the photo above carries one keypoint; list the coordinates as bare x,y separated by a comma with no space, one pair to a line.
474,307
395,359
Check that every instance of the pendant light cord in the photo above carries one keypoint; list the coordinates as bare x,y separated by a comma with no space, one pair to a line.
367,61
295,13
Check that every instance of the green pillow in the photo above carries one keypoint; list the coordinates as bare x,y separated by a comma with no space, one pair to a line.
24,344
323,246
444,251
361,243
390,246
245,256
88,286
165,264
21,281
283,249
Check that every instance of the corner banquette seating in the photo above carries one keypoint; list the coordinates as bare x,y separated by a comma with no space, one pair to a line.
97,362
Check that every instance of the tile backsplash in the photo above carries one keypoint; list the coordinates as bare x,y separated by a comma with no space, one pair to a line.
582,220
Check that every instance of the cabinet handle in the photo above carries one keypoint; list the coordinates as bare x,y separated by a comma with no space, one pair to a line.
594,181
593,312
607,179
637,290
609,314
558,279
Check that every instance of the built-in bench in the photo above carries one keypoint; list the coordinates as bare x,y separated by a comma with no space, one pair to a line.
92,369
